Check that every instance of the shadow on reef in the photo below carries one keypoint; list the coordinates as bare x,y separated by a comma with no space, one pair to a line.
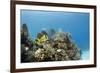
49,45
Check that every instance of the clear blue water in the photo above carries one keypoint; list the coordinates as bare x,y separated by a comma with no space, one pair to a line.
74,22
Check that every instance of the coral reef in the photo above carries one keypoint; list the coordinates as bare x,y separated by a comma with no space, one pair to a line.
49,45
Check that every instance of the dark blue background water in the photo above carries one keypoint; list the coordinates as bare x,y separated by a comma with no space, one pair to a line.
74,22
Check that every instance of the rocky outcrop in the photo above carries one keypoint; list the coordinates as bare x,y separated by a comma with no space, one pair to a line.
48,46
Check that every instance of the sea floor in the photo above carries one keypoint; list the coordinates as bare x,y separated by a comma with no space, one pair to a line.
85,55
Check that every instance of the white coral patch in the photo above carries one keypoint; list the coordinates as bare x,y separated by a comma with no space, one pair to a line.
58,50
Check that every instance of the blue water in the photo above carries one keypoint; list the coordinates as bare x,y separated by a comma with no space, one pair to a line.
74,22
